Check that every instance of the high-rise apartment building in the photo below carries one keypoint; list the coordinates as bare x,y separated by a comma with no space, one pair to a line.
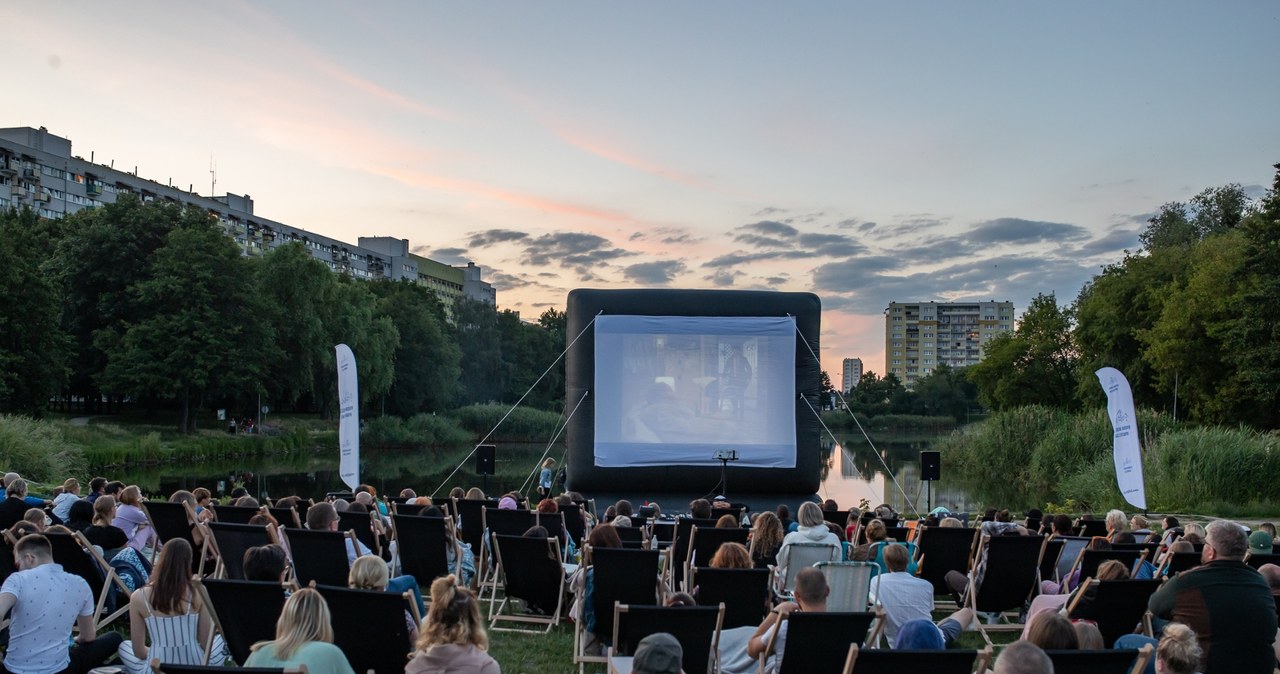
38,170
922,335
852,374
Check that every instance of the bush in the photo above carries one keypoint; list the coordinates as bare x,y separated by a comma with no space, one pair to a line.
37,450
842,421
420,430
524,424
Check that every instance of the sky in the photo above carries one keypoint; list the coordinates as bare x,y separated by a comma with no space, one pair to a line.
864,152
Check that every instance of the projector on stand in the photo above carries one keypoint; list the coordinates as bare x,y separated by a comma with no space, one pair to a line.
725,455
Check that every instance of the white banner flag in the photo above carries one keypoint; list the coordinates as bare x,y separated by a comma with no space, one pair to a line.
348,418
1124,422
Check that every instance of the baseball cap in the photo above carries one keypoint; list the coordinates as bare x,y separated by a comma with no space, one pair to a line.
1260,543
657,654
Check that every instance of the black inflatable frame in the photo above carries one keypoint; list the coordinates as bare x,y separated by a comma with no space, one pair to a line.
585,304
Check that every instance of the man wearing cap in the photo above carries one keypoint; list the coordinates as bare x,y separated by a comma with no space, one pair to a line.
1260,543
658,654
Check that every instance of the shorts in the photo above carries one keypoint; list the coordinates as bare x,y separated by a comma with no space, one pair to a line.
950,629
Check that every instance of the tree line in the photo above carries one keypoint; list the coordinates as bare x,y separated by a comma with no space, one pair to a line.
153,305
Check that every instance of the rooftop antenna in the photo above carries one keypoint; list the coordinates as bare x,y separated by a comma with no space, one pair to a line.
213,177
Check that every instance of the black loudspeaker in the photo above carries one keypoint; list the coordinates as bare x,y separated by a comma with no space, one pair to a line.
486,455
930,466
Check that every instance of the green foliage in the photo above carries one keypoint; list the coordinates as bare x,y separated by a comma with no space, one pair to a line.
1034,365
420,430
841,421
38,450
427,360
33,347
523,424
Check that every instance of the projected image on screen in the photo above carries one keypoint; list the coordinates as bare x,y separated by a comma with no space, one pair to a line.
673,390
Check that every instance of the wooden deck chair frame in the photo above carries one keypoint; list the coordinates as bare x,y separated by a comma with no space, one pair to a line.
1142,656
207,606
979,664
109,579
589,556
1049,560
464,511
718,536
158,668
971,593
220,570
496,613
362,523
678,551
872,635
353,633
411,551
1139,556
192,522
1182,558
292,537
1143,617
713,655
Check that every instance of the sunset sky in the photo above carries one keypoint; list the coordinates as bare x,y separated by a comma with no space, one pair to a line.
866,152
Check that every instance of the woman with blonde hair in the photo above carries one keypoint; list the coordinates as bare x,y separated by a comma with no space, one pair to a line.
812,529
167,610
546,478
452,640
62,502
133,521
304,636
370,572
1178,651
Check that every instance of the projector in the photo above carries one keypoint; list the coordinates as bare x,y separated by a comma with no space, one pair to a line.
726,455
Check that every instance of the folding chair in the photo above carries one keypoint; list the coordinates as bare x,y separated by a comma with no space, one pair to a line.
664,534
943,549
632,537
235,514
506,523
362,525
618,576
1117,606
1256,560
1071,548
574,523
744,593
287,517
371,627
77,556
1128,661
819,642
1089,561
705,541
1152,549
319,556
534,573
398,508
250,608
849,583
899,534
1011,578
230,541
697,628
423,544
1092,528
1049,560
470,515
679,549
800,556
175,520
1175,563
837,517
7,568
158,668
897,661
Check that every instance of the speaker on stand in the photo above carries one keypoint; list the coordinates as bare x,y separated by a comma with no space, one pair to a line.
486,463
930,471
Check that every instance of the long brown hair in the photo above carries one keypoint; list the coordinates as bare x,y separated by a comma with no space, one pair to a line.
171,580
454,617
102,508
767,534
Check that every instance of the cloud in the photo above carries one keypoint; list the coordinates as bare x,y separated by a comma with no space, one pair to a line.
767,211
771,228
1019,231
776,280
573,250
863,226
777,240
905,225
491,236
734,259
1254,191
1119,239
449,256
668,235
505,281
660,272
723,277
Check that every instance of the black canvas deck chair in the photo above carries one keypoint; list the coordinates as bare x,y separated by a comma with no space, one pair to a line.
532,570
77,556
1258,560
158,668
679,549
885,661
1011,578
470,520
1049,560
319,556
287,517
705,541
1071,547
1130,661
423,544
362,525
244,612
697,628
620,576
663,534
1175,563
819,642
632,537
230,541
1152,549
409,509
839,518
1089,560
372,627
1092,528
574,523
899,534
1118,606
555,525
235,514
177,520
744,593
7,568
944,549
505,523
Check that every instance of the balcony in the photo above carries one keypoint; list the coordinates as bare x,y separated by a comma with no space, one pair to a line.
18,192
93,190
8,168
41,196
30,173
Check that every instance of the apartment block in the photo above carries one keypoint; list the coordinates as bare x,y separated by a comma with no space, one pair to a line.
852,374
919,336
37,169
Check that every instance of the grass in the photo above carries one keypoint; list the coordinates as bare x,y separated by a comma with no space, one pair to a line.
535,653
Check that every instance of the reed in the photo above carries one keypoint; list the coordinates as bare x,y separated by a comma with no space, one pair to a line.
524,424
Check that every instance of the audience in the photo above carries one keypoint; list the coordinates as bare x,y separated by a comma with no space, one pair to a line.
304,636
766,540
453,637
731,556
811,596
168,611
1023,657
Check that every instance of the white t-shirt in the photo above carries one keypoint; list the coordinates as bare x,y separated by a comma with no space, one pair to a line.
904,598
49,601
771,665
62,505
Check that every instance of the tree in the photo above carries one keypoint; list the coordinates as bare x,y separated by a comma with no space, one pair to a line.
33,348
874,396
350,318
946,391
825,391
1035,365
427,361
483,371
295,288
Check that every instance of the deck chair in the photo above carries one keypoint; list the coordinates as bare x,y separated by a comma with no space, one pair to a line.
1177,562
407,509
371,627
1071,547
802,555
705,541
1128,661
7,568
819,642
943,549
1092,528
226,602
362,525
897,661
77,556
319,556
287,517
620,576
158,668
177,520
697,628
423,544
230,541
744,593
1089,560
554,524
632,537
899,534
1011,578
679,548
533,572
235,514
505,523
850,584
839,518
574,523
1049,560
1152,549
1256,561
1118,605
664,534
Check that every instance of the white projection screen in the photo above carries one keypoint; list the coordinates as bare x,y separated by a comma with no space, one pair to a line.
673,390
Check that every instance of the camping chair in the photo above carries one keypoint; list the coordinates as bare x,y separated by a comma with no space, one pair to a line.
697,628
744,593
362,525
679,550
176,520
1049,560
1128,661
250,609
1176,562
234,514
319,556
533,573
162,668
705,541
618,576
1117,606
77,556
850,584
943,549
423,544
1011,578
885,661
819,642
802,555
1071,548
371,627
230,541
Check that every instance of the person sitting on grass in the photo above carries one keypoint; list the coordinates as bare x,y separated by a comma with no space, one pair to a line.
453,638
304,636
